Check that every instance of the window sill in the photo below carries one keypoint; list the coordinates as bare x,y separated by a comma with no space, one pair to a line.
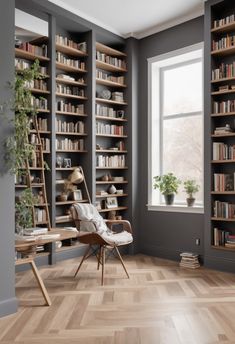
176,208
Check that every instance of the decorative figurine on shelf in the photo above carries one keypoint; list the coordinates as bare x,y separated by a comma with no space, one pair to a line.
41,199
59,161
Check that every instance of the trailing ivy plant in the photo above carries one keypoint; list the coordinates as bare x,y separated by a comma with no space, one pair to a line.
18,149
23,206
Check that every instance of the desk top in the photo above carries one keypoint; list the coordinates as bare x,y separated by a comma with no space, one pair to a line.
64,234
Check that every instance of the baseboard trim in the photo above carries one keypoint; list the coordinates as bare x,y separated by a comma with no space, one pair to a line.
8,307
219,263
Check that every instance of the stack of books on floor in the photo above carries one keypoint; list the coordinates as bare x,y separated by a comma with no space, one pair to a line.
189,260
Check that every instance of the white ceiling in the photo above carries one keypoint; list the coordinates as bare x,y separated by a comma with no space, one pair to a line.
137,18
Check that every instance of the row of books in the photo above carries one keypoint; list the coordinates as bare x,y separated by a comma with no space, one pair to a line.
42,123
70,127
223,237
35,159
68,144
40,215
224,21
107,129
34,49
110,77
224,71
70,78
114,61
22,64
110,161
106,111
46,143
70,43
222,151
69,107
73,90
189,260
224,182
224,106
223,130
39,103
224,210
61,58
223,43
37,83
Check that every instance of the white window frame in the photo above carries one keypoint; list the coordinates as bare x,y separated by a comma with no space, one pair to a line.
155,83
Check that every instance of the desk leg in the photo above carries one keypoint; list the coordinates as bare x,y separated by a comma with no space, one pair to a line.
40,282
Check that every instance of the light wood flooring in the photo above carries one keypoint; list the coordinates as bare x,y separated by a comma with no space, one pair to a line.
161,303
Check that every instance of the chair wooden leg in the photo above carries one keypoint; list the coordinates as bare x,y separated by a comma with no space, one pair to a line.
121,260
83,258
103,264
40,282
99,258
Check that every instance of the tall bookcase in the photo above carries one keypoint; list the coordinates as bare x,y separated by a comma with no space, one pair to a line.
223,125
111,131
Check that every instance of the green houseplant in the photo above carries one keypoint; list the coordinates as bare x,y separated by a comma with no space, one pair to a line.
168,185
191,187
24,210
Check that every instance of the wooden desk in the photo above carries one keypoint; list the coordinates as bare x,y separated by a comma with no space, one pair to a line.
27,246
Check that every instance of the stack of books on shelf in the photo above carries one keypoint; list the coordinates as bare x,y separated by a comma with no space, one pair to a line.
224,210
224,21
223,130
38,84
39,103
223,107
222,151
69,107
114,61
223,238
189,260
106,76
102,110
71,90
107,129
61,58
70,78
230,241
70,43
46,143
110,161
224,182
40,215
118,97
223,43
224,71
67,144
34,49
70,127
42,123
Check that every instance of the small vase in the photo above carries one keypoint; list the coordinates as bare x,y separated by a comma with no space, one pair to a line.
190,201
169,199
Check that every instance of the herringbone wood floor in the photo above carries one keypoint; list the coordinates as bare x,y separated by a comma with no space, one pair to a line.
161,303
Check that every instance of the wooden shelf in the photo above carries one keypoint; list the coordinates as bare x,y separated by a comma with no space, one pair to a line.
217,93
222,161
40,132
72,134
224,28
111,168
111,151
43,111
29,56
70,51
108,101
109,83
107,135
38,91
67,68
223,135
70,113
116,209
223,114
100,182
70,82
222,219
222,248
223,192
70,151
65,168
64,95
106,118
112,195
109,67
224,52
223,80
109,51
71,202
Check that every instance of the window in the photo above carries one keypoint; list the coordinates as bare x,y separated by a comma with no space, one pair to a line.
176,120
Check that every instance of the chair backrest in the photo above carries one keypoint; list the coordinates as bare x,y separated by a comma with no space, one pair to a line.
87,218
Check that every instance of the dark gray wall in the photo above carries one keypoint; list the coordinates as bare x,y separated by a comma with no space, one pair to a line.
8,303
164,234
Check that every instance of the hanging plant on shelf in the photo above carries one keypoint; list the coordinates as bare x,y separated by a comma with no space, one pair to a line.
18,149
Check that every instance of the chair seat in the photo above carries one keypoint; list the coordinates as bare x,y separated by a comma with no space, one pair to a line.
118,239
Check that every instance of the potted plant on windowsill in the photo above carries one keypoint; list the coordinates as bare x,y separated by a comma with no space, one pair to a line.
190,187
168,185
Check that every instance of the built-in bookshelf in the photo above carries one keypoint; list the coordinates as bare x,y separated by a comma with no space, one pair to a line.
111,132
70,126
223,127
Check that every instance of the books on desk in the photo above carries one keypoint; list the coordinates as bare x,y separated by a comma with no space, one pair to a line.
189,260
35,231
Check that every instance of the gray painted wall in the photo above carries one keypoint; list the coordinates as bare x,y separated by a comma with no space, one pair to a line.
164,234
8,303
